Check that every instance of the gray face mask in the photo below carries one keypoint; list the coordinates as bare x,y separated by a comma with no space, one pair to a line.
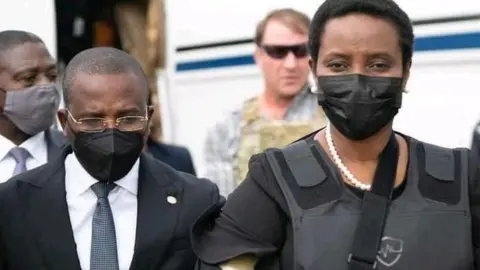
32,109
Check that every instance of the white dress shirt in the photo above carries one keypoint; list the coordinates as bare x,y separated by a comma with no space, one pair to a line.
81,201
36,146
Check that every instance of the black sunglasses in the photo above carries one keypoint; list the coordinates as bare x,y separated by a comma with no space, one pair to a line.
280,52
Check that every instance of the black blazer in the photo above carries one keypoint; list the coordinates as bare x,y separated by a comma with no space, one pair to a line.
176,156
35,229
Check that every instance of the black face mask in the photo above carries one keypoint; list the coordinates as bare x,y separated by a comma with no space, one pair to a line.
108,155
358,105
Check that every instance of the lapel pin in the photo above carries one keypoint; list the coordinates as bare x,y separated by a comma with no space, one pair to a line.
171,200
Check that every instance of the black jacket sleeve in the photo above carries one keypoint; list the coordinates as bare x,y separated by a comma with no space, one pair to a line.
251,222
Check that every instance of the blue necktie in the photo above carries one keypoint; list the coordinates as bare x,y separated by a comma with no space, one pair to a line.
103,254
20,155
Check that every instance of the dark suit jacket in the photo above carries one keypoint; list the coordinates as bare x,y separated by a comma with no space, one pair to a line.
35,229
176,156
55,143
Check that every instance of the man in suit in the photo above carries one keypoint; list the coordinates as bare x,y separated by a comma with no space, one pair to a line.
28,103
102,204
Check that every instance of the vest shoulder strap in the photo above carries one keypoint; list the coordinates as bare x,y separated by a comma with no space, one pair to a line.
304,167
440,162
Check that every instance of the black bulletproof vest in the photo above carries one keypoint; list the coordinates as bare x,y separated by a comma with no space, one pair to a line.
421,231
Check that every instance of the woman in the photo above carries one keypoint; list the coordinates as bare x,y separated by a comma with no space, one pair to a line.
355,195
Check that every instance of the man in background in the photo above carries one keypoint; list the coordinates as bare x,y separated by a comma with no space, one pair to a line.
284,112
28,102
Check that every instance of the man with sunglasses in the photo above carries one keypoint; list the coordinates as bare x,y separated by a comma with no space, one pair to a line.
106,205
285,111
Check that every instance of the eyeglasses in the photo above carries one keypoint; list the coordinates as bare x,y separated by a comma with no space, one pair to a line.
97,124
280,52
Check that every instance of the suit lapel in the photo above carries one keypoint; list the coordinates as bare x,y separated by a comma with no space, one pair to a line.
55,143
48,213
156,217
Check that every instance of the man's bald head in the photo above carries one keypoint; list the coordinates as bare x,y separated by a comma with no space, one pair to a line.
102,61
10,39
13,38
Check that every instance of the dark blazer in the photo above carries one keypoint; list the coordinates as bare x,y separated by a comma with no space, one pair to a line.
55,143
35,229
176,156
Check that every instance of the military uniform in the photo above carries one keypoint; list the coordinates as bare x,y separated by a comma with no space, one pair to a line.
258,133
245,131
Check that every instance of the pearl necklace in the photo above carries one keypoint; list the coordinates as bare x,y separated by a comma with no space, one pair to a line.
338,161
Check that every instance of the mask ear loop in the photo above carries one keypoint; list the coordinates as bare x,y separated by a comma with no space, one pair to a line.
404,85
315,89
312,82
148,128
68,125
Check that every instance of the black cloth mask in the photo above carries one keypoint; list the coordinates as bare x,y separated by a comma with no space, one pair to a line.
108,155
359,106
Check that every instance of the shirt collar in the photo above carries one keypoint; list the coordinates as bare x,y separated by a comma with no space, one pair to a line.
35,145
83,180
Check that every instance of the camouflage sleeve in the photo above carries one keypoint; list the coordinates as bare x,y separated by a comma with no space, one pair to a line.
220,147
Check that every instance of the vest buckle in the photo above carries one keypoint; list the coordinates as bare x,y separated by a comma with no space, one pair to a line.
357,263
